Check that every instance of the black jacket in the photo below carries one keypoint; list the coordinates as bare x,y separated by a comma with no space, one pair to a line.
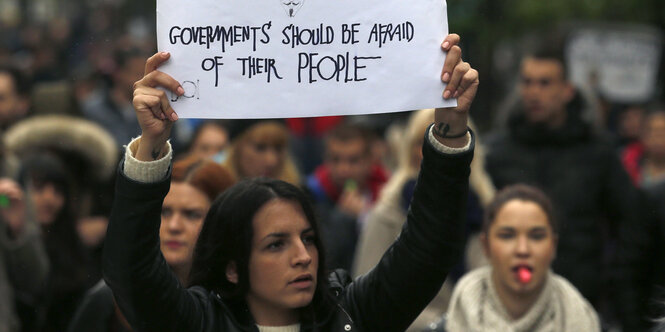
592,195
388,298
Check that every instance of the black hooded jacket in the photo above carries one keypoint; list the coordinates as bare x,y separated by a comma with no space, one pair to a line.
388,298
593,197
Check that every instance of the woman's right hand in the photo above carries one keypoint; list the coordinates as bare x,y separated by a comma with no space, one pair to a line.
153,110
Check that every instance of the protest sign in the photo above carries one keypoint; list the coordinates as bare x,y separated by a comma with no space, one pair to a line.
618,61
297,58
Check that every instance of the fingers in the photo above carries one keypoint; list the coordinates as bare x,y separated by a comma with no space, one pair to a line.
159,106
450,41
456,78
11,189
470,79
155,61
158,78
155,100
453,57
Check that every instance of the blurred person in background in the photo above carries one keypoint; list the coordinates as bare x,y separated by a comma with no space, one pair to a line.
210,140
550,143
195,183
260,148
91,155
518,292
111,107
343,190
48,186
644,160
23,260
385,220
14,99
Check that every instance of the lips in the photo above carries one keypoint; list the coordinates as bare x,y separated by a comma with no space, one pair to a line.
303,281
174,244
523,273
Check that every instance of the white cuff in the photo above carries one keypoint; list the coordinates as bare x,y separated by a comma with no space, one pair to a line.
145,171
446,149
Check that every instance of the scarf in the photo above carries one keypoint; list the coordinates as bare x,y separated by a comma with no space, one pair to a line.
475,306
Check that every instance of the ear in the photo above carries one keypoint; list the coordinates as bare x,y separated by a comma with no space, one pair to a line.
568,92
232,273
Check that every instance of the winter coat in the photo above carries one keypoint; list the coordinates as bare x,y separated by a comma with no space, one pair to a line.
431,243
97,312
581,173
24,269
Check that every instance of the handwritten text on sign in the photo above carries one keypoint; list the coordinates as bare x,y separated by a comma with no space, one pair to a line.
279,58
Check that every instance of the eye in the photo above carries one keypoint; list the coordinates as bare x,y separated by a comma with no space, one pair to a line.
261,147
505,235
537,235
309,239
545,82
166,212
275,246
193,214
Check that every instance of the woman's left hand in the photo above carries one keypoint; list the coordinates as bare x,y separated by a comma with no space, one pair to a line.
462,83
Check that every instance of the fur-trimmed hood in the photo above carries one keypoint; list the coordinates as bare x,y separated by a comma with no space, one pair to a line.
69,134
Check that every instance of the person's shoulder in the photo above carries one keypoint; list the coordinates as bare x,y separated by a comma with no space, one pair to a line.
566,289
473,280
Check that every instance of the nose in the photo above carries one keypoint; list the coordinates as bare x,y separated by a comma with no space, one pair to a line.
174,223
301,255
522,247
271,158
49,193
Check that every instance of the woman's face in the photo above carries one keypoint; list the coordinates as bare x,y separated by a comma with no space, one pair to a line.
283,262
48,200
211,140
183,211
260,158
520,236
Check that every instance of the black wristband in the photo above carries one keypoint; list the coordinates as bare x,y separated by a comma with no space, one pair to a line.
442,129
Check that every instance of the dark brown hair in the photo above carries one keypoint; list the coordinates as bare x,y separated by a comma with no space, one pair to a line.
520,192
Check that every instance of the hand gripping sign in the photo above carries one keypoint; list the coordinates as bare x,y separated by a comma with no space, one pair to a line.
297,58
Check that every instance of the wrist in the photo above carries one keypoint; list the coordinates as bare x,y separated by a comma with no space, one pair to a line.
150,149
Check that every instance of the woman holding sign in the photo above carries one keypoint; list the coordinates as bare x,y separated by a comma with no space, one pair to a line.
259,266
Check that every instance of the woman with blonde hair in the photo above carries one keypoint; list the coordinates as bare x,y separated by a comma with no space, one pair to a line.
384,222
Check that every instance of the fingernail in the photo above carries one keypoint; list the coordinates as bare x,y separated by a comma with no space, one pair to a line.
446,44
174,116
446,94
165,53
180,91
456,94
446,77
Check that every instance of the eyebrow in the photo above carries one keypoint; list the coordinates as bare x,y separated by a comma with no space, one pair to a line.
281,235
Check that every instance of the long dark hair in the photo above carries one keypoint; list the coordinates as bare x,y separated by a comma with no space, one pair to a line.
226,236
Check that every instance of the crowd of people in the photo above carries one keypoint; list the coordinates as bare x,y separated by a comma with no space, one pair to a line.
560,227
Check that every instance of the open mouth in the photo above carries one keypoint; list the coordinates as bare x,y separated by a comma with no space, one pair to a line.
523,273
305,281
303,278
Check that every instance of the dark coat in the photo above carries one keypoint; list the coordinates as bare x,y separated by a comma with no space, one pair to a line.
580,171
388,298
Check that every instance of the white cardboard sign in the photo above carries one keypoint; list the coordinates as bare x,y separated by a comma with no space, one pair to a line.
621,62
302,58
